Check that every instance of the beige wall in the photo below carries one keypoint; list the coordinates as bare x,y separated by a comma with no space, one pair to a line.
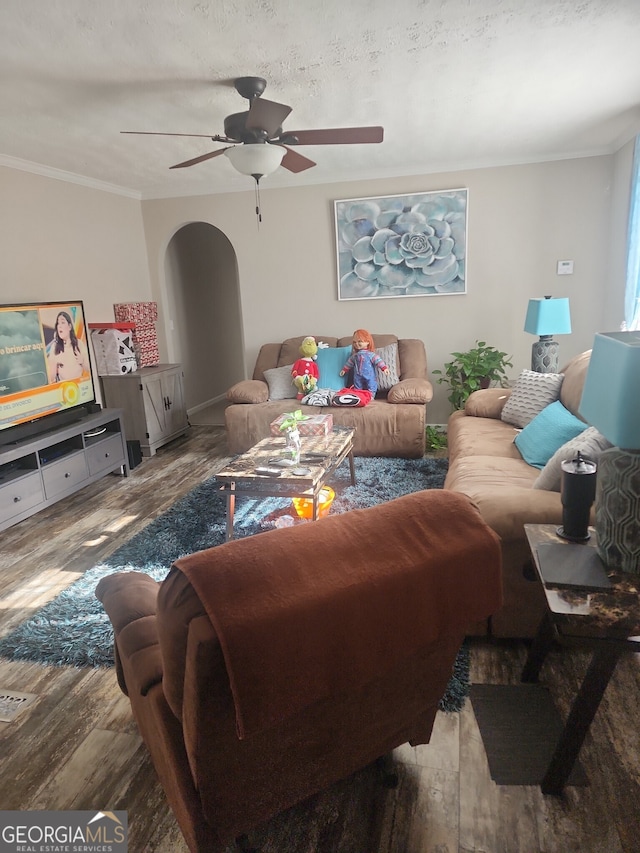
522,220
62,240
59,240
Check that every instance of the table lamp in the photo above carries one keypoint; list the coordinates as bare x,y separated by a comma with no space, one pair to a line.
611,403
547,317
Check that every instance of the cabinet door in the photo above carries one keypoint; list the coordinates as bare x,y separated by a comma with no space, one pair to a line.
176,414
156,406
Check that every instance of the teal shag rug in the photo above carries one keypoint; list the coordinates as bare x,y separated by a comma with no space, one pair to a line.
74,630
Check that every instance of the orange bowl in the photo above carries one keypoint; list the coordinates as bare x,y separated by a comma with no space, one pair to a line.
304,506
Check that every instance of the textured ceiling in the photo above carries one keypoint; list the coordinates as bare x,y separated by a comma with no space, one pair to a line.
454,83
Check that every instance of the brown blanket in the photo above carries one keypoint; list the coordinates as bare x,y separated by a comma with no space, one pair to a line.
308,612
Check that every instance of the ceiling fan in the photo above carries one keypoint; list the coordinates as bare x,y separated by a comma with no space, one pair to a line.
258,143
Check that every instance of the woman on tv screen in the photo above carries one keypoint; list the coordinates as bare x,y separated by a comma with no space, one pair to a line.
68,358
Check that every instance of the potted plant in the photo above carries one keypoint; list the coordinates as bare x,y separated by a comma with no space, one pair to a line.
436,438
474,369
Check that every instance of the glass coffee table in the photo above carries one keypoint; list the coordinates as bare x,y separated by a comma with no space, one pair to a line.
320,456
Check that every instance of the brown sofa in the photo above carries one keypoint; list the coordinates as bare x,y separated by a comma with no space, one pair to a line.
393,424
265,669
485,464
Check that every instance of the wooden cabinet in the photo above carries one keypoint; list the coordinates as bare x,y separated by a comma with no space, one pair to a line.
40,471
152,399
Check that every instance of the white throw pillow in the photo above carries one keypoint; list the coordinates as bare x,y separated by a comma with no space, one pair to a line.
532,393
280,383
590,443
389,355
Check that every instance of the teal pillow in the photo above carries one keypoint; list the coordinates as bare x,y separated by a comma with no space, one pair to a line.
330,361
546,433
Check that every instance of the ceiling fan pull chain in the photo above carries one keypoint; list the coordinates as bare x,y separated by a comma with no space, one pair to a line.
257,193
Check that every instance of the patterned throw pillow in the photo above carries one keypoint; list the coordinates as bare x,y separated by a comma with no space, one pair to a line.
546,433
530,395
590,443
319,397
389,355
280,383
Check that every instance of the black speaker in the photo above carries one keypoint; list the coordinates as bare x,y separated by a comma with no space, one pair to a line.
134,453
94,408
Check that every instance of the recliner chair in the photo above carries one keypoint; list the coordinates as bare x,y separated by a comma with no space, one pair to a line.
265,669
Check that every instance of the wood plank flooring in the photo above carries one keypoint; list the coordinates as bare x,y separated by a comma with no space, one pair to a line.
78,748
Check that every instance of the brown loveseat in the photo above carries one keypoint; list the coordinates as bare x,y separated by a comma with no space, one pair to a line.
393,424
485,464
265,669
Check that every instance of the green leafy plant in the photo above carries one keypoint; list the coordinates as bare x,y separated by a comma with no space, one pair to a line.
474,369
292,419
436,437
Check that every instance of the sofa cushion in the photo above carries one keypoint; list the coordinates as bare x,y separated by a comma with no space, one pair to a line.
574,375
330,361
546,433
280,383
590,443
531,393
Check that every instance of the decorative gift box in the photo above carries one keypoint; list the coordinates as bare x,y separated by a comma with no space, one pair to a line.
136,312
113,348
314,425
145,343
145,340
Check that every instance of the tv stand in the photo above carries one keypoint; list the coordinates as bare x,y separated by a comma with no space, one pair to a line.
37,472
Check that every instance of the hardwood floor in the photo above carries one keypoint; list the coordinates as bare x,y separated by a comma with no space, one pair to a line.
77,747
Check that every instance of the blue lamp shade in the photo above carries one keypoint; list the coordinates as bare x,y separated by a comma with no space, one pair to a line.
611,396
548,317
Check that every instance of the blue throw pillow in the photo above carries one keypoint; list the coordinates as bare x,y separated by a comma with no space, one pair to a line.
330,361
547,432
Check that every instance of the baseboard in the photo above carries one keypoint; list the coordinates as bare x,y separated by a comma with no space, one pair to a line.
219,399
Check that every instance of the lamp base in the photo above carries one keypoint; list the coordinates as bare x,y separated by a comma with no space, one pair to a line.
618,510
544,355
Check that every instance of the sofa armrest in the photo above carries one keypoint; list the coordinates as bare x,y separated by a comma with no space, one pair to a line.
411,391
129,599
248,391
487,403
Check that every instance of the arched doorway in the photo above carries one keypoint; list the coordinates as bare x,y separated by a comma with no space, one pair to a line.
204,317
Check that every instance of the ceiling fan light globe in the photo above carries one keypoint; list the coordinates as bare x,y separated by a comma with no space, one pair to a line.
255,159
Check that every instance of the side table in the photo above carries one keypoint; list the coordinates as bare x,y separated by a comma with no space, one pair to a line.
606,621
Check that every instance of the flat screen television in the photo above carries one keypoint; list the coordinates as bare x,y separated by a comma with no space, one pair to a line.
46,377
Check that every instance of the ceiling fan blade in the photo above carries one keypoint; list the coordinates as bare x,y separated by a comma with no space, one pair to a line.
266,115
295,162
334,136
200,159
156,133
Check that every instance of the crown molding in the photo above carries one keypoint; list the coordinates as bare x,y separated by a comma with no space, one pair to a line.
68,177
